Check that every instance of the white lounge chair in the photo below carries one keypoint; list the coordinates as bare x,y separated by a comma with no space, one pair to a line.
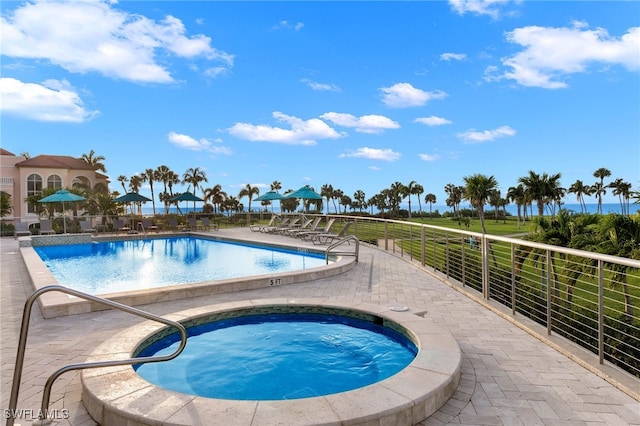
307,235
85,226
258,227
328,237
46,227
21,230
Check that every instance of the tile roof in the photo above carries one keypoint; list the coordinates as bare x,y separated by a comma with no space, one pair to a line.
56,162
5,152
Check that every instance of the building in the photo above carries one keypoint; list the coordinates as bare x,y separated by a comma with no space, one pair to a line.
22,177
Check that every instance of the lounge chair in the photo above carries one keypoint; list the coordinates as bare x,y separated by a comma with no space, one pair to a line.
258,227
119,225
307,235
283,224
296,227
85,226
172,222
148,226
293,223
207,225
328,237
312,227
193,223
21,230
46,227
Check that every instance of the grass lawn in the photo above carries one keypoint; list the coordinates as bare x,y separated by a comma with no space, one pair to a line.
501,227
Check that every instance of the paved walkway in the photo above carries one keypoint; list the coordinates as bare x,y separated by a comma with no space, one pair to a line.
508,376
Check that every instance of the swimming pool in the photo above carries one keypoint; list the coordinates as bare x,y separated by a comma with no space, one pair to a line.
116,266
120,396
278,356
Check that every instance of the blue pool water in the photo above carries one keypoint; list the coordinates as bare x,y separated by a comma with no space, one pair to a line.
108,267
279,356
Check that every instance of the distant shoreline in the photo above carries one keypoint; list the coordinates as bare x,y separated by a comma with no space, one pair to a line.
511,208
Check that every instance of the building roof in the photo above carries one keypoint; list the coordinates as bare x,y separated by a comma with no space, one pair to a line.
56,162
5,152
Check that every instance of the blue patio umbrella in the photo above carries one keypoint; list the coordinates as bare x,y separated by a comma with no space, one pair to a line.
131,197
269,196
305,193
188,196
62,196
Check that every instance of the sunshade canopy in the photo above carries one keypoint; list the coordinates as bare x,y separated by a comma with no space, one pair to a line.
61,196
186,196
306,193
131,197
269,196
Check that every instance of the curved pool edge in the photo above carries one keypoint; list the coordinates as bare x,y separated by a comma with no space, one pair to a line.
55,304
118,395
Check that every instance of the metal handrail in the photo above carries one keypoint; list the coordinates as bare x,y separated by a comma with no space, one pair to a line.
341,241
24,329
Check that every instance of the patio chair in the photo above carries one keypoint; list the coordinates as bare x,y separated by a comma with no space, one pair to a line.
193,224
85,226
313,226
296,226
283,224
307,235
207,225
46,227
258,228
293,223
119,225
148,226
172,223
21,230
328,237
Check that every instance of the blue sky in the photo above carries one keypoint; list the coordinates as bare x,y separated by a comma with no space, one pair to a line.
358,95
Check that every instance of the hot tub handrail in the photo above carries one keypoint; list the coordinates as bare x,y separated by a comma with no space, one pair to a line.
24,329
341,241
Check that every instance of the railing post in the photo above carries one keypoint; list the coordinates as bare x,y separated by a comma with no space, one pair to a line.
549,292
513,279
600,311
485,267
422,244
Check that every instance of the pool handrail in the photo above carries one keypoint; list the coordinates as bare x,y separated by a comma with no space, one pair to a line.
24,329
347,239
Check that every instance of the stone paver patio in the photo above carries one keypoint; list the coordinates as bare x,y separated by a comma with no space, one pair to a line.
509,377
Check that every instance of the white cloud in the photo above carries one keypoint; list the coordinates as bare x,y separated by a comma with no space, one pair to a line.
320,86
302,132
432,121
473,136
479,7
363,124
188,142
550,54
93,36
453,56
429,157
402,95
51,101
286,25
373,154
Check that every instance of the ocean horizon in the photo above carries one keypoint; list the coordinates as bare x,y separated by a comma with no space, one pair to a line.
512,209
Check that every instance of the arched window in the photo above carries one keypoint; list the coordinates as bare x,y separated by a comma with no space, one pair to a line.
54,181
34,187
80,181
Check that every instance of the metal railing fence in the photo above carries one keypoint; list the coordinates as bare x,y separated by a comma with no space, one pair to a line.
589,298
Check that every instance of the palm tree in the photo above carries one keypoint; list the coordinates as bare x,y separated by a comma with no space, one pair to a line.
516,194
94,160
123,179
276,186
194,176
249,191
418,190
162,174
495,201
540,188
623,190
601,173
172,179
410,189
580,189
454,197
148,176
478,188
135,182
216,195
326,191
360,198
430,199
